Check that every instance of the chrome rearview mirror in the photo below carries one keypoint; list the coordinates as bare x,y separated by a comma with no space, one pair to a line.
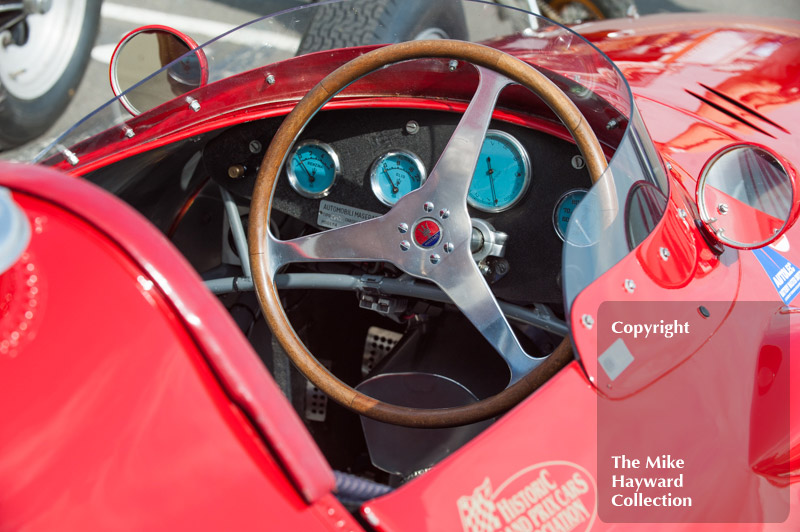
746,196
146,50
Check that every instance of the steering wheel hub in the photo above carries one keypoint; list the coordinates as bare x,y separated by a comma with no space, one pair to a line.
427,233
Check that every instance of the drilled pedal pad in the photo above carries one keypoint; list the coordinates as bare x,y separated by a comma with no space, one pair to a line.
376,346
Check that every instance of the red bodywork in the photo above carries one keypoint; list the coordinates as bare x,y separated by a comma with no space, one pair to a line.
149,408
172,428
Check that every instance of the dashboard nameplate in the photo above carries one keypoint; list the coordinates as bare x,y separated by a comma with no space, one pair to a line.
333,215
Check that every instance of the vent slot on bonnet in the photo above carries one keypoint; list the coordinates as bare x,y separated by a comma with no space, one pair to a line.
737,110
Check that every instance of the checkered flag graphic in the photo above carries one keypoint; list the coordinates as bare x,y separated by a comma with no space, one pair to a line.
477,511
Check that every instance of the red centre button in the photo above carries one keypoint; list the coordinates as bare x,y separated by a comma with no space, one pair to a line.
427,233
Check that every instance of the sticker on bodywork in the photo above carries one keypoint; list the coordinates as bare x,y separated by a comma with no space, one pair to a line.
615,359
784,275
556,496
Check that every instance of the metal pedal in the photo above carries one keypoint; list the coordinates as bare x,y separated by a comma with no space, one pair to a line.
376,346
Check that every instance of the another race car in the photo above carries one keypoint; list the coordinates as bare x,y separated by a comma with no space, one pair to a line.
535,280
44,50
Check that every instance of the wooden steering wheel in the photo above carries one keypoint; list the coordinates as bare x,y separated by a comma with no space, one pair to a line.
440,203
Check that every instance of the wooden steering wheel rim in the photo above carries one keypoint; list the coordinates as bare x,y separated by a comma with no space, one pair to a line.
261,206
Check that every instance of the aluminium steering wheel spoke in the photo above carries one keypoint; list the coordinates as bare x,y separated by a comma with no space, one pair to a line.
468,290
355,242
453,171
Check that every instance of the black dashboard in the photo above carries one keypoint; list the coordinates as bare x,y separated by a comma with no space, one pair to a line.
359,138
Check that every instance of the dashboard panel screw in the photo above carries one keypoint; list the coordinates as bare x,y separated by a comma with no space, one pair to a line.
270,79
435,258
449,247
254,146
412,127
664,253
453,65
587,321
403,227
405,245
444,213
428,206
578,163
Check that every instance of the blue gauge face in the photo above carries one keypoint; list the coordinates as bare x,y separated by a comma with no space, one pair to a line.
502,175
313,168
564,209
395,174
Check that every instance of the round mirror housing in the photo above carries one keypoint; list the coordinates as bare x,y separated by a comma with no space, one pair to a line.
179,66
747,196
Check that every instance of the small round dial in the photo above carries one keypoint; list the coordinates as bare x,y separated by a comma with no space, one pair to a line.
313,169
394,174
565,206
502,175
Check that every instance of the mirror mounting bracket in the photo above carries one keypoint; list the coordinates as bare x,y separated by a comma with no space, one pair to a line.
711,240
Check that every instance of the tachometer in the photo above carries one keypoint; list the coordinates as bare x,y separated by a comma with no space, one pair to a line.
502,175
396,173
313,168
565,206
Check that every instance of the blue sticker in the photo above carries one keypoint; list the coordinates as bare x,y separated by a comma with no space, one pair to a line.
785,275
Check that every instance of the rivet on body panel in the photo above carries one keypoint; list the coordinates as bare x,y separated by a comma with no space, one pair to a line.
70,157
194,105
371,517
630,286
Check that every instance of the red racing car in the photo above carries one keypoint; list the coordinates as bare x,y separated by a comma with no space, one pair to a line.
534,281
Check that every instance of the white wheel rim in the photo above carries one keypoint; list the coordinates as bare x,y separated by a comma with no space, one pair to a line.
29,71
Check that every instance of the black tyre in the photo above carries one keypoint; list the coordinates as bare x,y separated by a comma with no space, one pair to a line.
360,22
38,79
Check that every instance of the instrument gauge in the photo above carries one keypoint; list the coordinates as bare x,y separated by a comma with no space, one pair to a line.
313,169
565,206
502,175
396,173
